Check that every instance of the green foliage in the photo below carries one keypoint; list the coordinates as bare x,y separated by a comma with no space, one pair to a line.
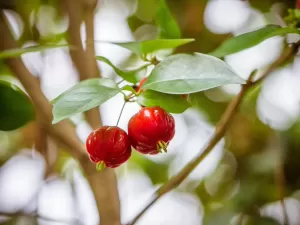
128,88
219,216
250,39
16,108
189,73
168,28
261,221
211,109
171,103
133,76
82,97
19,51
146,47
293,18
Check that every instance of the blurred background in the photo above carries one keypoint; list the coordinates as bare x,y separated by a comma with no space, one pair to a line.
240,182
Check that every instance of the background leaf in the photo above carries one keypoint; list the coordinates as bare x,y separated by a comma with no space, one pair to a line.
171,103
82,97
133,76
184,74
250,39
16,108
167,25
145,47
19,51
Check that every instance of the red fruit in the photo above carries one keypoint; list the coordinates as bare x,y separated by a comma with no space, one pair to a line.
109,146
298,4
151,130
141,84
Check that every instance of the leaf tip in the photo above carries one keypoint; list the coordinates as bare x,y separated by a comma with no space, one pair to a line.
55,121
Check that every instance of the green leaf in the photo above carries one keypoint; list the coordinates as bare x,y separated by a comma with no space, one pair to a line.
82,97
168,27
171,103
145,47
16,109
189,73
10,53
128,88
132,76
250,39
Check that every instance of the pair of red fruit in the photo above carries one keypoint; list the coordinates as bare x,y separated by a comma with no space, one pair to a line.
149,132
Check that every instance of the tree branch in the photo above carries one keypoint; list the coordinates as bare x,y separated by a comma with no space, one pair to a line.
85,62
219,132
102,184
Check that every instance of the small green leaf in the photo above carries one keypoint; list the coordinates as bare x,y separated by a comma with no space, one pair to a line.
171,103
168,28
132,76
16,109
82,97
10,53
251,39
189,73
128,88
145,47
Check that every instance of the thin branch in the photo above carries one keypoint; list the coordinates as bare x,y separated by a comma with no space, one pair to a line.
102,184
219,132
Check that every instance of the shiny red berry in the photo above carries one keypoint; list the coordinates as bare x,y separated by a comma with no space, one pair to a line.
151,130
108,146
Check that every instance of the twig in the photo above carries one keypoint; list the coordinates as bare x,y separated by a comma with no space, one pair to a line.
102,184
218,134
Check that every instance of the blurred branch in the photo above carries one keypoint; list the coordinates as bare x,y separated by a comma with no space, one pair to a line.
41,141
102,184
37,216
220,130
85,62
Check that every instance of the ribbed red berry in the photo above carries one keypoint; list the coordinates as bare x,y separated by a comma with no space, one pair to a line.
109,145
151,130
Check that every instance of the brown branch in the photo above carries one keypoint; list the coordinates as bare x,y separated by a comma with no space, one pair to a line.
218,134
102,184
85,62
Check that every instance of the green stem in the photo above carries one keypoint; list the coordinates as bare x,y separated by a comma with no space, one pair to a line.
123,106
